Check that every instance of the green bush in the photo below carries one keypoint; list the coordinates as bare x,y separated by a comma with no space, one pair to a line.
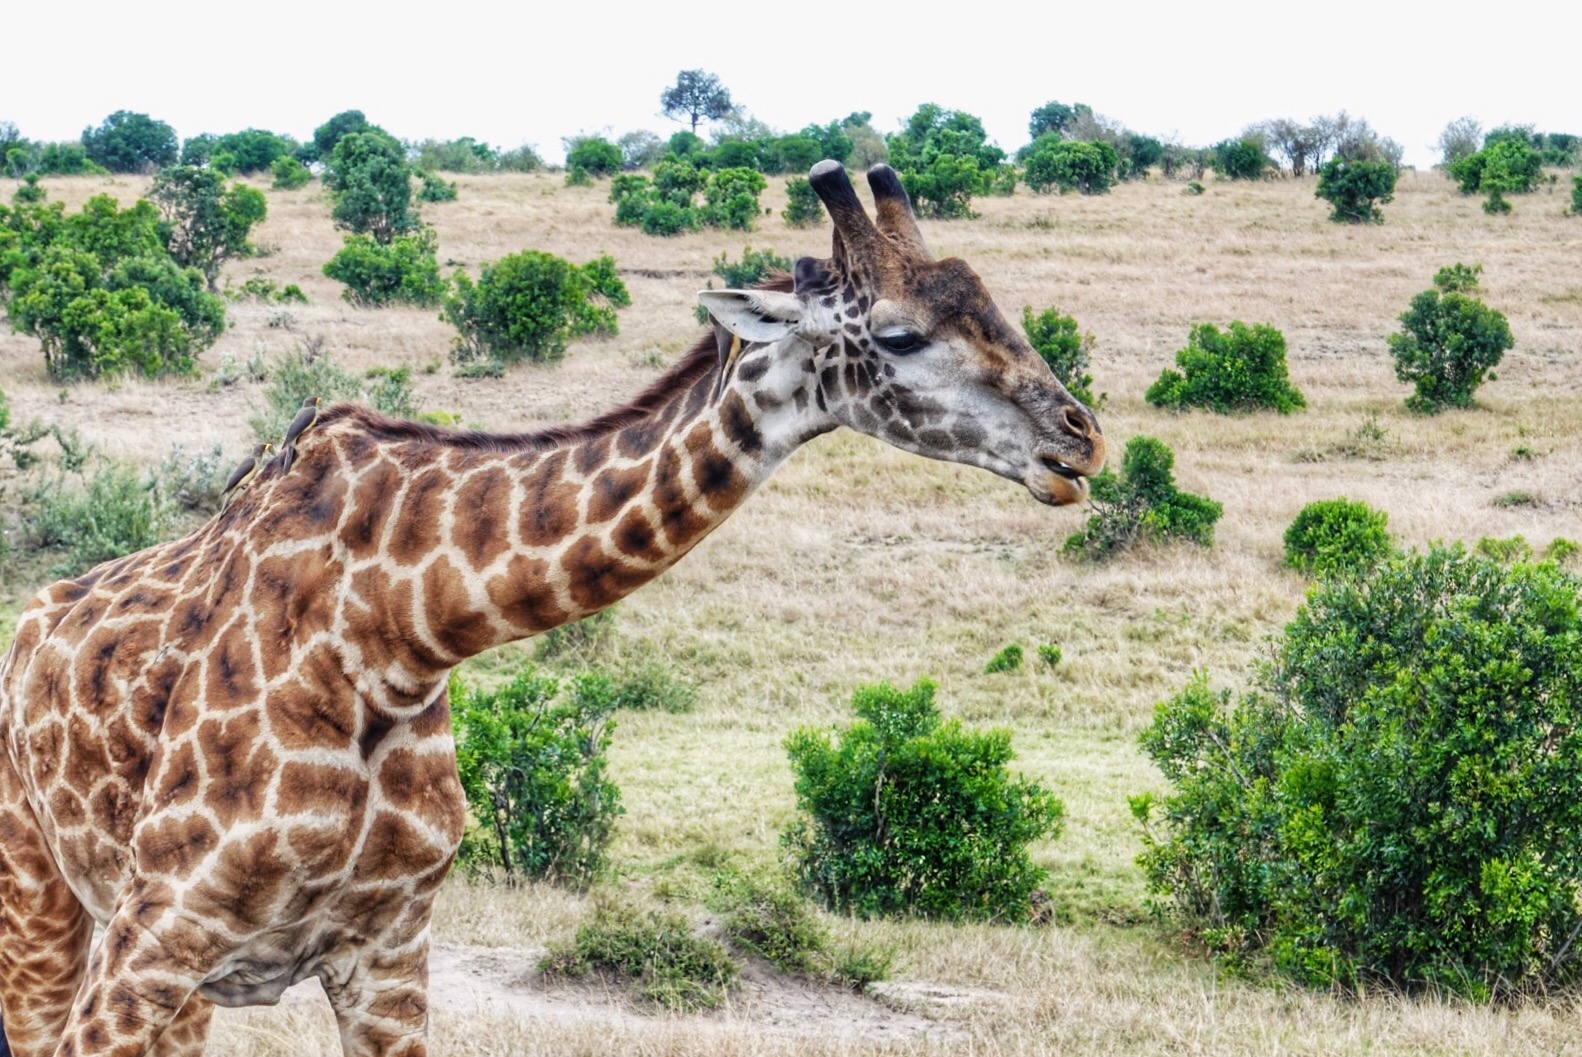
298,376
1449,341
1337,536
1007,660
1069,165
252,150
804,210
433,189
28,192
289,174
666,205
1068,351
97,518
1240,159
371,185
730,198
106,314
1400,799
130,142
1241,369
768,918
533,768
1353,187
1142,502
904,814
530,305
1049,653
595,156
1576,196
672,968
402,271
649,688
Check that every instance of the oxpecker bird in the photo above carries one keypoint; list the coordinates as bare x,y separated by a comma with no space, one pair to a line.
299,425
244,472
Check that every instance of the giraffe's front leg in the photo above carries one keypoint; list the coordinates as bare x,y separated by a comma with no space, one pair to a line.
381,1003
188,1032
140,981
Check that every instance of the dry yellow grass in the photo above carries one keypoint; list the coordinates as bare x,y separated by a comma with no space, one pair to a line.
860,563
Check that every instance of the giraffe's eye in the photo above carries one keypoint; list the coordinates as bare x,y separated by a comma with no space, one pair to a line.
899,342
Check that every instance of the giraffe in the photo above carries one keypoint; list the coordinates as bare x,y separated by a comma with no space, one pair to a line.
233,751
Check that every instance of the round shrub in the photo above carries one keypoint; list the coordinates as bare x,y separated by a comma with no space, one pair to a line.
289,174
1142,502
1242,369
529,305
1240,159
404,271
1336,536
1352,187
595,156
1060,343
1449,342
1071,165
905,814
1400,799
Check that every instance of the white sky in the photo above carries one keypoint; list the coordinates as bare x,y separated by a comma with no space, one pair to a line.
534,72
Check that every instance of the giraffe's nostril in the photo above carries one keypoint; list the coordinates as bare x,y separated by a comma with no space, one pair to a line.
1078,421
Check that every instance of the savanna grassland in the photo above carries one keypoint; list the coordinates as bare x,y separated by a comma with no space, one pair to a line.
859,563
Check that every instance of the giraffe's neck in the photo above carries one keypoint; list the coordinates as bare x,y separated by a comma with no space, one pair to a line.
520,541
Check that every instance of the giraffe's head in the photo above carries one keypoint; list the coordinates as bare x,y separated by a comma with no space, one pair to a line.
914,351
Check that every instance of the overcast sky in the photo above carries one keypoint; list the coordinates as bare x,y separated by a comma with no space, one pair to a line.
535,72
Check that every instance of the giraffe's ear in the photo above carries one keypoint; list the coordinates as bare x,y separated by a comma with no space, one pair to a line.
755,315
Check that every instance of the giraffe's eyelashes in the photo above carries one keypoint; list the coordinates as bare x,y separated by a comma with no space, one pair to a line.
900,340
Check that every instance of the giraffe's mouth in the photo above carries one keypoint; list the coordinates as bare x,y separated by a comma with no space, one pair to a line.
1061,483
1061,469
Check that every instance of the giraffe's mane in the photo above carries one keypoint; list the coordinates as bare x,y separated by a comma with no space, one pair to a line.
700,361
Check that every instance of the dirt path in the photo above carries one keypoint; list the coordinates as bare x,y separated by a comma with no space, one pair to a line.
505,980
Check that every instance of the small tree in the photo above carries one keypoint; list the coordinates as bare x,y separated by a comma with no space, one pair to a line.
1353,187
1449,341
1054,117
130,142
533,769
530,305
1062,345
1504,166
803,208
1240,369
1576,196
905,814
696,96
944,158
329,134
1142,502
1337,536
1459,139
372,186
206,223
